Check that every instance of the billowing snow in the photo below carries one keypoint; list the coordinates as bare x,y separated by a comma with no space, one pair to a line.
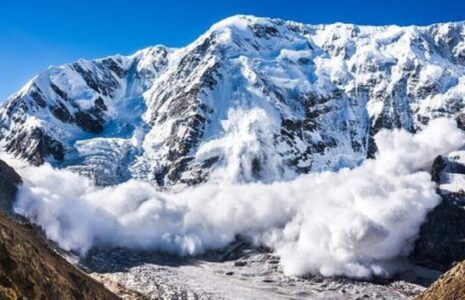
259,129
354,222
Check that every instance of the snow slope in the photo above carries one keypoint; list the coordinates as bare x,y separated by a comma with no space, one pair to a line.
263,99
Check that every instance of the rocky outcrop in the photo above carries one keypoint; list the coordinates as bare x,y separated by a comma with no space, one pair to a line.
9,182
450,286
441,241
29,268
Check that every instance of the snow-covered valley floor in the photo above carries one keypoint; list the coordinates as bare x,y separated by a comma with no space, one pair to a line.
236,272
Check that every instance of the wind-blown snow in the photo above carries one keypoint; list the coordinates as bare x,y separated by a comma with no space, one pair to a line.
351,222
248,137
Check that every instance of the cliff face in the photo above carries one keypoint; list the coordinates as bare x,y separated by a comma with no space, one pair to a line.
441,241
29,269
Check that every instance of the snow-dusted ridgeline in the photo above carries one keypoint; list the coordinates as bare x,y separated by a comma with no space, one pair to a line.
263,99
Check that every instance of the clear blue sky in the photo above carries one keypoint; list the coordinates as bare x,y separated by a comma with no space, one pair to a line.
37,33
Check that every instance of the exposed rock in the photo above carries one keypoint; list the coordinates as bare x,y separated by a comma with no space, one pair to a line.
86,121
325,90
35,146
29,268
9,182
450,286
441,241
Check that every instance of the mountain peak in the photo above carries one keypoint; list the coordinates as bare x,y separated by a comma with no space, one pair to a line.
294,97
240,21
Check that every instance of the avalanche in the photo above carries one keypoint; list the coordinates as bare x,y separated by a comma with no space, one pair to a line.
259,128
354,222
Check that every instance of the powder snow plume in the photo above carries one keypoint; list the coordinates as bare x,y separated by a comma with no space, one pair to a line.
352,222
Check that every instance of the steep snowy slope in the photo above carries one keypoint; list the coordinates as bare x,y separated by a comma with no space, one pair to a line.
86,115
259,99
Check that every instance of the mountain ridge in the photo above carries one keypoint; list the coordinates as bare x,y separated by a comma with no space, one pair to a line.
173,115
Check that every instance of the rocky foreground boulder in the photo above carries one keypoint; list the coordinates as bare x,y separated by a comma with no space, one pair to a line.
29,268
451,285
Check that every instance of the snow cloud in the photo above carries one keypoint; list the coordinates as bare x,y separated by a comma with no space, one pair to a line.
352,222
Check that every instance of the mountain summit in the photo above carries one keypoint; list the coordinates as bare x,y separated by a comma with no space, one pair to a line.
259,99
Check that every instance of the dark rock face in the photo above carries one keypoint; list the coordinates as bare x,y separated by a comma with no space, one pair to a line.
38,97
441,241
88,123
439,165
442,237
9,182
34,146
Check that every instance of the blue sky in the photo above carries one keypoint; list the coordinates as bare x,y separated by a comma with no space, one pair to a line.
37,33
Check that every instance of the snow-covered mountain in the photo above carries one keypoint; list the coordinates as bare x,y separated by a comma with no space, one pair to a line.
252,99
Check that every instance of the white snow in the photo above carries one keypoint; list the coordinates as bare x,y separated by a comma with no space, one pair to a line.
355,73
353,222
246,77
